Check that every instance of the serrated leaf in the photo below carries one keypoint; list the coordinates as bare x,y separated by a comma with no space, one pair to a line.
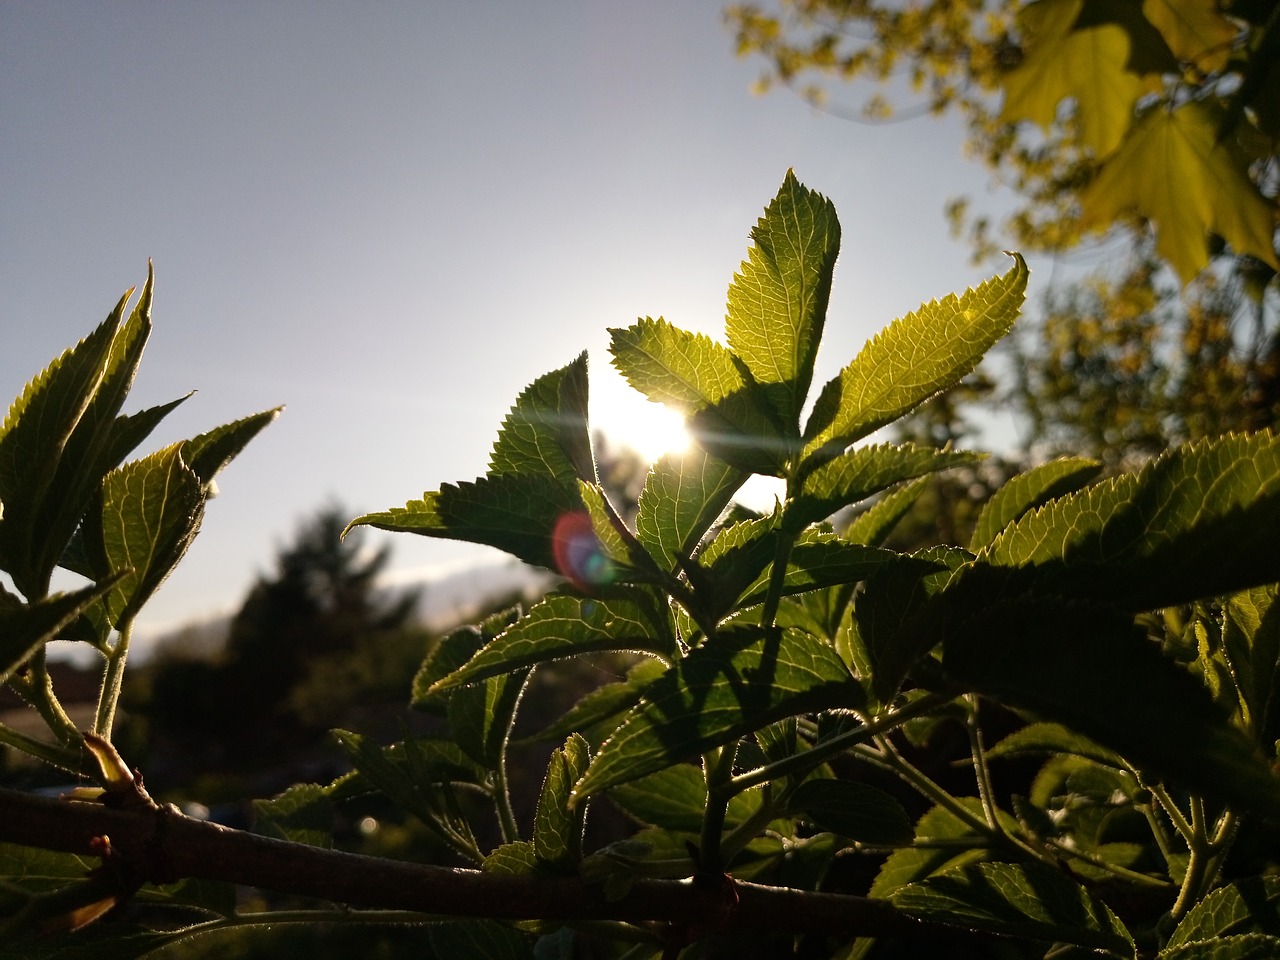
480,716
1175,171
56,442
1195,30
516,858
25,628
822,560
450,652
557,828
729,414
895,619
1028,490
606,702
731,562
478,938
1250,906
676,799
1051,738
1031,900
743,679
682,497
854,810
1092,63
1090,668
145,518
778,300
513,512
615,557
546,433
1196,522
302,814
857,474
1251,639
1244,946
872,525
911,360
209,452
566,624
915,863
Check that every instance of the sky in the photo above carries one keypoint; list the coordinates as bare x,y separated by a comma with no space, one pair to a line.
392,216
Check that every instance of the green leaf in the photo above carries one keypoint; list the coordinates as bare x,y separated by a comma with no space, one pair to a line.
937,824
565,624
873,524
822,560
480,716
743,679
731,562
1246,906
1091,64
857,474
302,814
1196,522
1174,170
895,619
56,443
146,517
450,652
911,360
778,300
1030,900
1051,738
606,702
546,432
25,628
682,497
1029,490
1251,638
478,938
1078,664
209,452
854,810
1195,30
730,415
1244,946
557,827
513,512
516,858
676,799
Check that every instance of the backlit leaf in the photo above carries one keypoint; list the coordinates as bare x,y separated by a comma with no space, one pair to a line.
1196,522
912,359
1090,63
1078,664
676,798
1175,171
208,453
1030,900
1029,490
854,810
1246,906
1251,636
546,432
873,524
743,679
778,299
1195,30
682,497
557,829
25,628
565,624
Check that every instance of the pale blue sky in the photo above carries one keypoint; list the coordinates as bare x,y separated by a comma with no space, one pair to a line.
392,216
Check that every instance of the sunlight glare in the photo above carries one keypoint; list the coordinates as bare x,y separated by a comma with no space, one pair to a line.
650,429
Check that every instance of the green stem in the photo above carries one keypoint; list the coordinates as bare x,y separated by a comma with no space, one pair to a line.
826,749
925,786
1173,812
981,772
1200,857
113,681
737,839
502,801
37,690
777,578
717,767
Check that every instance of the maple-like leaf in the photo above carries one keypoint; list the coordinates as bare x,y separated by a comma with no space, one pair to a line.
1195,30
1174,171
1080,51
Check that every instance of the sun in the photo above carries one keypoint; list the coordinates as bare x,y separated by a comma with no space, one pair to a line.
629,420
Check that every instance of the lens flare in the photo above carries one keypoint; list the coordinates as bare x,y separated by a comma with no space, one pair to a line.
578,552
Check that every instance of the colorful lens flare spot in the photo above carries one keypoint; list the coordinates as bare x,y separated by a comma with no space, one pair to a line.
578,553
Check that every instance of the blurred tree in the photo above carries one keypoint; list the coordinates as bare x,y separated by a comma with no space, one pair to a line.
1151,123
311,643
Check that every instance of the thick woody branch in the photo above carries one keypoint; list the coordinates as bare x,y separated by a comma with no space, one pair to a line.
160,845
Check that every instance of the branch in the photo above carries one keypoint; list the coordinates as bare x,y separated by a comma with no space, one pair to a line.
157,844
